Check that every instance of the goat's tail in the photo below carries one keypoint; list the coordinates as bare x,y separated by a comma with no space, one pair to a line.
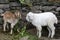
56,20
1,14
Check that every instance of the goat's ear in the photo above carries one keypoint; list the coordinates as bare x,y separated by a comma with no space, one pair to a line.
30,17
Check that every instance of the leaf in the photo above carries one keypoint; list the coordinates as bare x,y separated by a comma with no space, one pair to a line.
27,2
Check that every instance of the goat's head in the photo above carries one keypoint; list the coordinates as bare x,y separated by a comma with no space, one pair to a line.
29,17
18,14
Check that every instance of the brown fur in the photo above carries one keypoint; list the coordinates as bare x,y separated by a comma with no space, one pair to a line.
12,18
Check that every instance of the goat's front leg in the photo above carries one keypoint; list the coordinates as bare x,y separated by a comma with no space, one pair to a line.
53,32
12,26
49,31
39,31
7,26
4,26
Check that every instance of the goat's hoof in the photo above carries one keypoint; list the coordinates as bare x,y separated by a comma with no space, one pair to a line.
4,30
10,33
39,37
51,37
18,30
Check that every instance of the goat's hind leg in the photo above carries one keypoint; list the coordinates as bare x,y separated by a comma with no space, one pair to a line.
52,30
4,26
12,26
49,32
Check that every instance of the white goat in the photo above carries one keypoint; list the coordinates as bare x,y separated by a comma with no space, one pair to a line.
43,19
11,18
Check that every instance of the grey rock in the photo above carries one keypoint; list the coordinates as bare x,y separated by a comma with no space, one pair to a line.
25,38
4,1
46,3
1,11
58,9
36,9
44,0
55,12
45,38
56,4
4,6
48,8
12,0
25,9
14,4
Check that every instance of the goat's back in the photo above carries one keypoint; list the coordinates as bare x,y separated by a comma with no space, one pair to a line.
44,18
9,15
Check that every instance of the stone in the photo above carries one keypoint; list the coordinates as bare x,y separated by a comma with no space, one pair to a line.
56,13
24,38
36,9
58,9
3,6
14,4
1,11
48,8
57,4
4,1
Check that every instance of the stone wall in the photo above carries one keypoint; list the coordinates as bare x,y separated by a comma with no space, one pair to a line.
54,0
43,6
37,7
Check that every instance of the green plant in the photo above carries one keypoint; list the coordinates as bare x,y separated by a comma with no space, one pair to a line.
24,33
27,2
32,37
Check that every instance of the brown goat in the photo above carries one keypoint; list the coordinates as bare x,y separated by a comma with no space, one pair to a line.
11,18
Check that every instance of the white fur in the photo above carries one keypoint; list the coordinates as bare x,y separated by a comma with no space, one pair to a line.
43,19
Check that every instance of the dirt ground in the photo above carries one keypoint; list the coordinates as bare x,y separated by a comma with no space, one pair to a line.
7,36
44,35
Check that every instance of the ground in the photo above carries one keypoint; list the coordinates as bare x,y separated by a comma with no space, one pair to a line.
7,36
4,36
